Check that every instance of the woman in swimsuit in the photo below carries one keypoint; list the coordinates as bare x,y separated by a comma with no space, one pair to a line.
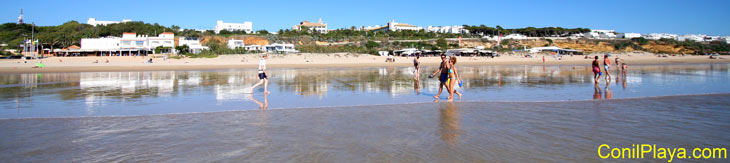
607,66
417,65
454,78
596,69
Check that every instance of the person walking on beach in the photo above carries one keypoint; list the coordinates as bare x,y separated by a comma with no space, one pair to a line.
596,70
543,59
618,64
263,77
444,70
417,65
454,79
607,66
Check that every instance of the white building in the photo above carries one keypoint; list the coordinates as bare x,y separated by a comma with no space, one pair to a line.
165,39
368,28
193,44
281,48
727,39
233,44
600,34
129,44
253,48
447,29
393,26
713,38
628,35
577,35
245,26
657,36
514,36
319,26
694,37
94,22
101,44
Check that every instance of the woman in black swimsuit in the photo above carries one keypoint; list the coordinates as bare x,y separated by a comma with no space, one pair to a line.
417,65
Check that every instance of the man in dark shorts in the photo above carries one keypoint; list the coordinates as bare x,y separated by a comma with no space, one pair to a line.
263,78
444,69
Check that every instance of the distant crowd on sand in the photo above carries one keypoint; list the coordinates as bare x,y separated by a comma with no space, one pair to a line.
39,63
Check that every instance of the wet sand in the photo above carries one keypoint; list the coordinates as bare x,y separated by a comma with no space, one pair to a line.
306,60
423,132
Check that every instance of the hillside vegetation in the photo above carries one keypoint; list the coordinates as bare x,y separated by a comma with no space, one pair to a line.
351,40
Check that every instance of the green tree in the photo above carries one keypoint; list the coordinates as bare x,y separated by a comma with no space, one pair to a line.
182,49
441,43
224,32
372,45
640,40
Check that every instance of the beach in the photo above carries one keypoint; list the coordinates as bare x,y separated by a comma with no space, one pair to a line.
361,113
304,60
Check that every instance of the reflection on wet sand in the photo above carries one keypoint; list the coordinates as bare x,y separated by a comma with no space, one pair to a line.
449,123
417,86
609,93
264,105
393,80
597,92
156,91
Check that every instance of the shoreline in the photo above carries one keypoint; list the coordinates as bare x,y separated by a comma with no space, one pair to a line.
307,60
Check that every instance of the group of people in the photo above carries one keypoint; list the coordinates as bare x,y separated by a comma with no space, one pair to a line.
448,78
596,67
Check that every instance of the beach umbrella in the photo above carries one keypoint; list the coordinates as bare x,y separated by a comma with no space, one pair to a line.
450,53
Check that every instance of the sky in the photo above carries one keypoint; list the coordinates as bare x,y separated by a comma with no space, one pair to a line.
641,16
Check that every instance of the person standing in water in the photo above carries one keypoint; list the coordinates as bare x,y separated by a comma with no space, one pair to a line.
618,63
543,59
417,65
596,70
454,79
444,70
607,66
263,77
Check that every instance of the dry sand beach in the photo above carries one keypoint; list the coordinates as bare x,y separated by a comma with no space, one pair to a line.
86,64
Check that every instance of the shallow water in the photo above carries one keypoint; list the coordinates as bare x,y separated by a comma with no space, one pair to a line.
166,92
508,114
422,132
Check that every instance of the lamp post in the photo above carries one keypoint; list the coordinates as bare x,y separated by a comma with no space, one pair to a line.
32,38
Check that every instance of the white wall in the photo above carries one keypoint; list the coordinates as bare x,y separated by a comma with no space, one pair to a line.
233,44
100,43
245,26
